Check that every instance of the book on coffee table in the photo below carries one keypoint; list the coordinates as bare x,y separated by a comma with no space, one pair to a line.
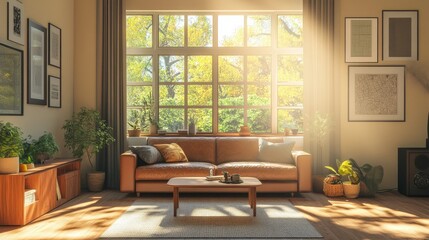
214,178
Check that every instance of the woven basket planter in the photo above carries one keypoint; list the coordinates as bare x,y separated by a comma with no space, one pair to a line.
333,190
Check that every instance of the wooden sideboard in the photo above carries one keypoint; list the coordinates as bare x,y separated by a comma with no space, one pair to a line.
50,184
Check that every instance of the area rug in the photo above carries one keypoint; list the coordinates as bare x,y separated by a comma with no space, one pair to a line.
215,218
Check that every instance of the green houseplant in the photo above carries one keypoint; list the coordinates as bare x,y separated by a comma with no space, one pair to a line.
10,147
27,155
45,147
85,134
148,114
347,169
135,123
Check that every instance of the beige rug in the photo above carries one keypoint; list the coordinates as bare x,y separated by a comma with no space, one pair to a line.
217,218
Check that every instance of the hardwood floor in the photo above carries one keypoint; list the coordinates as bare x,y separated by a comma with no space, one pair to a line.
388,216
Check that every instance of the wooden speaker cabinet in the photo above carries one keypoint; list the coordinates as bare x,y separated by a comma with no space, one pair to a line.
413,171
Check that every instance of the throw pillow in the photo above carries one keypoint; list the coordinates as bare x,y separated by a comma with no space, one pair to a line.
171,152
276,152
148,154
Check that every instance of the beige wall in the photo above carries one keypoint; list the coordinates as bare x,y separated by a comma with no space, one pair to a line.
37,118
372,142
85,54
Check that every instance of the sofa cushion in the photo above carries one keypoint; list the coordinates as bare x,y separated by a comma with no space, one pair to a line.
197,149
147,154
276,152
260,170
165,171
237,149
171,152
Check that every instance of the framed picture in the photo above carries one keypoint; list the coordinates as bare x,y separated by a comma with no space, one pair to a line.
377,93
400,35
36,92
54,89
11,80
15,22
361,39
54,45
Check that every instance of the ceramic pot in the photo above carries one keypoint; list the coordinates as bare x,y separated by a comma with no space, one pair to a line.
9,165
244,131
153,129
192,129
95,181
351,190
134,133
30,165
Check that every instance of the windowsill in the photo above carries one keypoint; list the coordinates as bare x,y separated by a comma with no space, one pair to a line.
219,135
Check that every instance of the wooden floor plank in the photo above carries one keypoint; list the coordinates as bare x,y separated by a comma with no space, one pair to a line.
390,215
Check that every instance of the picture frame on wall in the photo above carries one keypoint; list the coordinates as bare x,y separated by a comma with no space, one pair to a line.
376,93
15,22
11,80
54,89
54,45
400,35
361,36
36,66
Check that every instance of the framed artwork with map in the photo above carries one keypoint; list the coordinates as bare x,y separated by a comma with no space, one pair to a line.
376,93
361,39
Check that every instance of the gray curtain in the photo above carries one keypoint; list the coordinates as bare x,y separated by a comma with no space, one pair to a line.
111,83
321,108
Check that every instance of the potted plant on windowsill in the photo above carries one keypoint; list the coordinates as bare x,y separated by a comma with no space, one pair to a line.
148,114
135,123
85,135
10,147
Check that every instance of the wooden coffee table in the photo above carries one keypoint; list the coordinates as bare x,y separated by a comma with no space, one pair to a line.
200,182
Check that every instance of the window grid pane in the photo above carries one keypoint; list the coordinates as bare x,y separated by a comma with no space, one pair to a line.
242,76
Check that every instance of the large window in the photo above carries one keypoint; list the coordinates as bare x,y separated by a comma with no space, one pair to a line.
224,70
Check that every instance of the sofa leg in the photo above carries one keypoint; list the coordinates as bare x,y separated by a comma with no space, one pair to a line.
138,194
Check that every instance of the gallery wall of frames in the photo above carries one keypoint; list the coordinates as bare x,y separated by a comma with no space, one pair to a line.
43,49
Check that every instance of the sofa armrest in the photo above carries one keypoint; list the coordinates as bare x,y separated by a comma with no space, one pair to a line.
127,171
304,164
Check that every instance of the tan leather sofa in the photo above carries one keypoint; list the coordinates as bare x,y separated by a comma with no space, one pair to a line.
232,154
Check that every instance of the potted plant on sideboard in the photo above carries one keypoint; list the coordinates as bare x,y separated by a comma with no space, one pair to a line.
10,147
85,135
45,147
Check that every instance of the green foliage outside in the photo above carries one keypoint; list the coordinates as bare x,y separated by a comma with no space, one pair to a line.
245,82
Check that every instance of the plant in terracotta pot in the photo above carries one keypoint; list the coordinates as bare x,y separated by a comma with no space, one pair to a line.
86,134
135,123
10,147
45,147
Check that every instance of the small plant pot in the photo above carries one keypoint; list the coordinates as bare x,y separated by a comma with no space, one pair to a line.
287,131
294,131
351,190
134,133
30,165
9,165
153,129
95,181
